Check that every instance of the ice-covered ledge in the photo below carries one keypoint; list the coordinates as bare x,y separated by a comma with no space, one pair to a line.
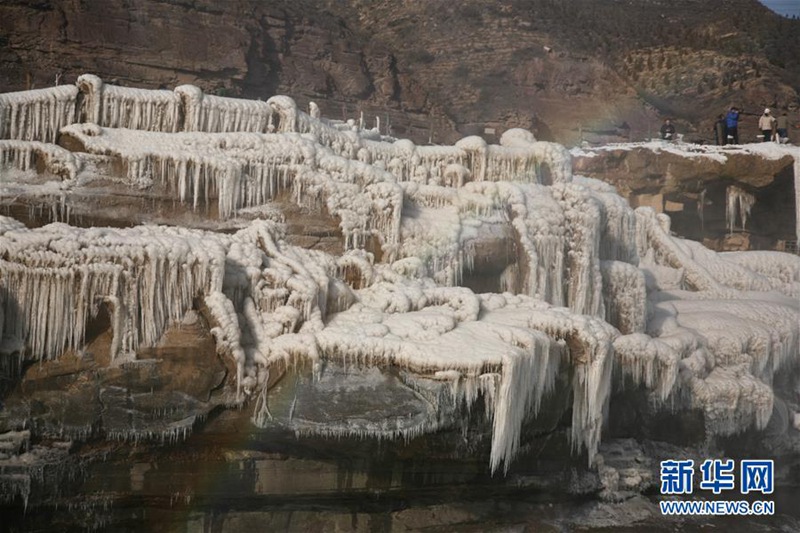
671,177
585,283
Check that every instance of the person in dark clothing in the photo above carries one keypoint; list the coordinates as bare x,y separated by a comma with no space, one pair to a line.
732,125
782,125
720,131
668,131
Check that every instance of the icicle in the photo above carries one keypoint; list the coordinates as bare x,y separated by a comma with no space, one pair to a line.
526,377
139,109
577,244
56,275
24,156
797,198
739,203
701,205
219,114
191,102
37,115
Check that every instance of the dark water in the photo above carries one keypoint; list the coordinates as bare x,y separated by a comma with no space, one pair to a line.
220,483
787,8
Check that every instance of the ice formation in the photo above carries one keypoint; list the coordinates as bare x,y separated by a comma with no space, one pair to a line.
738,206
218,114
124,107
54,280
588,284
719,154
38,156
37,115
797,194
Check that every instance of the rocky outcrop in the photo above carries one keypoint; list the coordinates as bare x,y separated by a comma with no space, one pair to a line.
295,375
636,169
246,48
691,183
429,71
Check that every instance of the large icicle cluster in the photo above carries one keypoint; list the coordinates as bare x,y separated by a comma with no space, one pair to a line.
38,157
124,107
37,115
241,170
55,279
184,109
587,283
217,114
726,336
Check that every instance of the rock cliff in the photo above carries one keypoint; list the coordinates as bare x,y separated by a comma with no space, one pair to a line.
432,71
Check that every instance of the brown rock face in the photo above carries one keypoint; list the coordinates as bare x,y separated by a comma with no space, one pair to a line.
641,170
242,48
693,191
431,70
145,41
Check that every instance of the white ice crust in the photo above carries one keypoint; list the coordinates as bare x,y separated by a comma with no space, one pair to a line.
592,284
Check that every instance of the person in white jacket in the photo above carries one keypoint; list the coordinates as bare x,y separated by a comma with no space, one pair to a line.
767,125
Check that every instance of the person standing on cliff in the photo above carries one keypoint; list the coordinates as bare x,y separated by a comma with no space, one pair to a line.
732,125
766,124
720,131
668,131
782,124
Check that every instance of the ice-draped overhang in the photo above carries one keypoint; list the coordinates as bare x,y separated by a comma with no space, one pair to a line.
589,283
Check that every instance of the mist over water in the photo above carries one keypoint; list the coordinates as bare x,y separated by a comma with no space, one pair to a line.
788,8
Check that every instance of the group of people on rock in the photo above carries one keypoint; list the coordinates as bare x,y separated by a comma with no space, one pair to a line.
726,128
774,128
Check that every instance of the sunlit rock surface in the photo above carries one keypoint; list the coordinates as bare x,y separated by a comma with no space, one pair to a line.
731,198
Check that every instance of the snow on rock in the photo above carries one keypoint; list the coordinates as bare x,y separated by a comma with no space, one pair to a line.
703,269
590,284
31,155
690,150
736,202
780,267
653,234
